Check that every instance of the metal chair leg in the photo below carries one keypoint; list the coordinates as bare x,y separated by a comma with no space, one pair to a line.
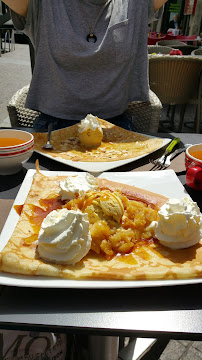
7,35
198,119
182,112
12,40
5,41
168,111
103,347
172,115
199,104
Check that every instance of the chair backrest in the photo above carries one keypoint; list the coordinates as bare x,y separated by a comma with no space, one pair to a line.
159,49
186,49
146,114
19,115
174,79
197,52
171,43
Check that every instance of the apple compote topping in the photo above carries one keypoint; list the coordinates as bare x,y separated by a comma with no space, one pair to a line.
126,227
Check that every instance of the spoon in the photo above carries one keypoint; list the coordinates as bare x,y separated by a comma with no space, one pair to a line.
48,144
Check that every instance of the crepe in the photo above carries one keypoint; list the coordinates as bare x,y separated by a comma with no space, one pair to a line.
147,259
117,144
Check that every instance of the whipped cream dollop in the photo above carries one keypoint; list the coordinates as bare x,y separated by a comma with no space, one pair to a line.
90,122
179,225
74,186
64,237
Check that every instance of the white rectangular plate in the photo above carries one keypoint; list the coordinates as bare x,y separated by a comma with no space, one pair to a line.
162,182
98,167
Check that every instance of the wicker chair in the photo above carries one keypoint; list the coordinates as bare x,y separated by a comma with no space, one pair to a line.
175,80
177,44
171,43
159,49
146,115
18,114
196,99
186,49
197,52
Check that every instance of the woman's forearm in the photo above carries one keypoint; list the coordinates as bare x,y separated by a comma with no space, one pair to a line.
19,6
158,4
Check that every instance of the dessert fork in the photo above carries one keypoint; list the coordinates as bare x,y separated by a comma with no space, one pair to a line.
159,162
165,164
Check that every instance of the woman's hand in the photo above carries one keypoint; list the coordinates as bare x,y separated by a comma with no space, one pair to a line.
19,6
158,4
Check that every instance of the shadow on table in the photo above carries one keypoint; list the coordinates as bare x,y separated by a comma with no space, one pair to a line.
195,195
166,298
11,181
50,164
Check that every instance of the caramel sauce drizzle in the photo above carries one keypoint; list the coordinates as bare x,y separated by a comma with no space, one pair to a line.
39,213
18,209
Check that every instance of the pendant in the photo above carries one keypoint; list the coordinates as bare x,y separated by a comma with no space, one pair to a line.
92,37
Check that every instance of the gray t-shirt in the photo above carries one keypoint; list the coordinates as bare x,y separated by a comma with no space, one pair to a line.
73,77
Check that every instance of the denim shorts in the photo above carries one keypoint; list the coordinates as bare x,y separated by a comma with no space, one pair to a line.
42,121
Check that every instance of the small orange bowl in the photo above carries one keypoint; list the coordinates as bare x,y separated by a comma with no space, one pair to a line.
193,164
193,156
16,147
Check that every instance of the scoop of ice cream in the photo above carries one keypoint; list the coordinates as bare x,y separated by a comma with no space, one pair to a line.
90,131
74,186
180,224
64,237
103,205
